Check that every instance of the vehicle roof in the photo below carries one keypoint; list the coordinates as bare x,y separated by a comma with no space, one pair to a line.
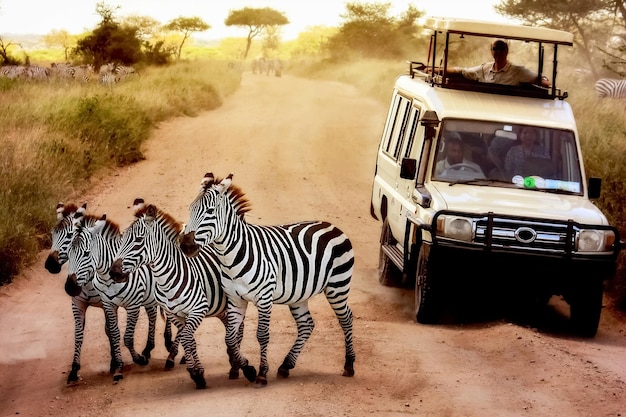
490,107
499,30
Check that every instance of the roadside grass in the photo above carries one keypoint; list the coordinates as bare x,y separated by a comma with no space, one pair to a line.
56,135
601,127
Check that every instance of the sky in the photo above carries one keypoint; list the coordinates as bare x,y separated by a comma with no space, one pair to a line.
77,16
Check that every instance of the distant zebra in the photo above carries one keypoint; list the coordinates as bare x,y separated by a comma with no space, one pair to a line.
188,289
89,259
611,88
266,265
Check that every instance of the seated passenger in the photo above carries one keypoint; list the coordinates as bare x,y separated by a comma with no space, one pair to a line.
528,158
455,156
500,71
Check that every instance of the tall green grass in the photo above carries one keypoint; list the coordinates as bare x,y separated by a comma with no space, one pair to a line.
601,127
54,135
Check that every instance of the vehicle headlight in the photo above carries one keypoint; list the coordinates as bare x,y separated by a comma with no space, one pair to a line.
595,241
459,228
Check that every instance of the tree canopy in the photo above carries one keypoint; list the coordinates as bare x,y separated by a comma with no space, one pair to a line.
186,26
256,21
369,30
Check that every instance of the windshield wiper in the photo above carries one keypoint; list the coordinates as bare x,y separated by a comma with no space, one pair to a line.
478,181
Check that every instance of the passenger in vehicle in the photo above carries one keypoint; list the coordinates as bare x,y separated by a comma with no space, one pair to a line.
500,71
528,158
455,156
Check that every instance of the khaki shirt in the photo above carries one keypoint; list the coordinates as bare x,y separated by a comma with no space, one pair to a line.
509,75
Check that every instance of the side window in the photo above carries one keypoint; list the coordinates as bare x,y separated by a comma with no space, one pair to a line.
413,123
391,123
397,126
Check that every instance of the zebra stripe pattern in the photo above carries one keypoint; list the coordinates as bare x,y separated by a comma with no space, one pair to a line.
188,289
266,265
82,297
610,88
89,258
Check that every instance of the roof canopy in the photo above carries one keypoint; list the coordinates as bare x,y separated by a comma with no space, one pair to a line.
499,30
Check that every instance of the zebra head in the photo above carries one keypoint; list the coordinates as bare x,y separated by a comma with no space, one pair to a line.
61,235
208,214
81,259
135,248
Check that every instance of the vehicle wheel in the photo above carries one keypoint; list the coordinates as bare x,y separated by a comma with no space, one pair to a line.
585,308
427,291
388,273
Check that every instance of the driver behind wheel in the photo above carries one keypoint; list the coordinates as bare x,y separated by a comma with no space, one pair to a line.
455,156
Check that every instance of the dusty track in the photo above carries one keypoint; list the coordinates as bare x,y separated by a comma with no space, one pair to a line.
301,150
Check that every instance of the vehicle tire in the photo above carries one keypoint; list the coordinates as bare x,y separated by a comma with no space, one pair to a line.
586,308
427,291
388,274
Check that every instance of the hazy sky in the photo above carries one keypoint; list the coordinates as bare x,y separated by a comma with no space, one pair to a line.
76,16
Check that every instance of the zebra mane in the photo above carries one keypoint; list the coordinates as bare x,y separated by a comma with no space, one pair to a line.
68,209
170,223
236,196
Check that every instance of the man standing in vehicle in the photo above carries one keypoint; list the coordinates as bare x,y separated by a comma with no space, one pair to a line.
500,71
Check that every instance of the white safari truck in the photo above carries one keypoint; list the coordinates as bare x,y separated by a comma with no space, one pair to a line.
482,185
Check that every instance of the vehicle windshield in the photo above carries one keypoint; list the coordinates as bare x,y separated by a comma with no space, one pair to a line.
512,155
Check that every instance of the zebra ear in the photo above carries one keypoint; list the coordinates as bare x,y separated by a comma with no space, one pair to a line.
151,213
99,225
224,184
60,208
138,204
207,181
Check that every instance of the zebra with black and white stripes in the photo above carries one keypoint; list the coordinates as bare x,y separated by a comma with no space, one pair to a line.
188,289
266,265
82,297
90,256
611,88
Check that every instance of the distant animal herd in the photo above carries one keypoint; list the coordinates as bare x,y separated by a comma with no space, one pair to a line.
107,74
267,66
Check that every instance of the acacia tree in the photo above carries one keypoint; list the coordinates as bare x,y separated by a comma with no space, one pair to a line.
62,39
256,20
591,21
186,26
369,30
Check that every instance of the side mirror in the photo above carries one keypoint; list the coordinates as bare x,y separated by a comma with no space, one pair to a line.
408,169
595,185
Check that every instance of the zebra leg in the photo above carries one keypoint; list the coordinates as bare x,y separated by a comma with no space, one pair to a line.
79,308
167,334
234,334
305,324
187,339
113,331
234,366
264,308
339,303
173,350
152,317
132,315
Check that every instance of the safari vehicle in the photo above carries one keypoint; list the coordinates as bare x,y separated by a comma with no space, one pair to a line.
522,223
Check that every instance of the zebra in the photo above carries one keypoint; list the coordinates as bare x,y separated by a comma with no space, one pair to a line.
188,289
82,297
266,265
89,258
611,88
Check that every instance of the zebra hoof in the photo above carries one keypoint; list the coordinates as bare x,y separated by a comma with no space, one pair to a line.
169,365
249,372
233,374
283,372
348,372
261,381
117,378
183,360
197,375
141,360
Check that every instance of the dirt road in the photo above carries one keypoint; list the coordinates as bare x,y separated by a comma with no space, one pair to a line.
300,150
